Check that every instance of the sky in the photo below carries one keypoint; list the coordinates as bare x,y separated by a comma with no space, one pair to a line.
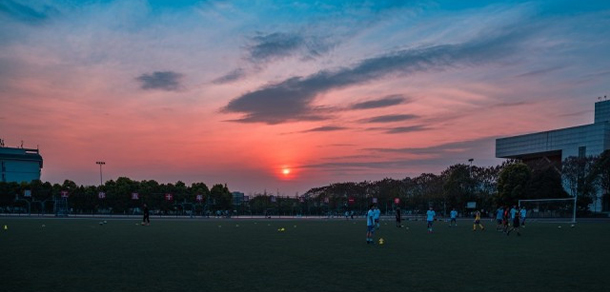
285,96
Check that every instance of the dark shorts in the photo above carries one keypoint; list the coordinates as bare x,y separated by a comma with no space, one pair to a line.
477,221
452,219
370,228
499,221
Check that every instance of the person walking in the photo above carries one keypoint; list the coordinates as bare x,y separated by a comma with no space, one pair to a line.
146,218
477,221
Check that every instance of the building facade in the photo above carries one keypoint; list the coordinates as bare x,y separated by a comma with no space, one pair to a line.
555,146
19,164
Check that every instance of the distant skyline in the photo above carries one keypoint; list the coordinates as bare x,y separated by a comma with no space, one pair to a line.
290,95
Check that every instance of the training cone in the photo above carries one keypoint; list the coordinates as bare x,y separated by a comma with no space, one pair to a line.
5,227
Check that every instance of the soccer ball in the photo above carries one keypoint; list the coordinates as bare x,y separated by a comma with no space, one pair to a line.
559,226
105,222
101,223
381,241
572,226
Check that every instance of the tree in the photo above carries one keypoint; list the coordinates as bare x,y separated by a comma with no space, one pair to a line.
458,186
512,183
221,196
577,172
546,183
601,175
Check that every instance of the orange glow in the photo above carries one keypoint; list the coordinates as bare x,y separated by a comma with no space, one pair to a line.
286,171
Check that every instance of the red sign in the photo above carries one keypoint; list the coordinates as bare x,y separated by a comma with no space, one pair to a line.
168,197
64,194
396,201
101,195
351,200
199,198
135,196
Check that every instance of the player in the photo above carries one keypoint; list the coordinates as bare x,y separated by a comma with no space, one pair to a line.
146,218
377,213
513,212
516,223
430,214
453,214
477,221
398,218
523,214
499,217
370,225
505,219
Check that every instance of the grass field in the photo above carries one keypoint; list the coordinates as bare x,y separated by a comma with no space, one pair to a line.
310,255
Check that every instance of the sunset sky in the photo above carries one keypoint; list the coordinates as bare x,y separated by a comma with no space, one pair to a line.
236,92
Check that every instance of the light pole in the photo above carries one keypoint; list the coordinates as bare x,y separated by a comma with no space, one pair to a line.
100,163
470,169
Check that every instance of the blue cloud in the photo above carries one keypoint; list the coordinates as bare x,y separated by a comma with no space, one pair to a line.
291,99
161,80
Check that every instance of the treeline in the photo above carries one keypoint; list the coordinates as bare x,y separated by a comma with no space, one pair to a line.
455,187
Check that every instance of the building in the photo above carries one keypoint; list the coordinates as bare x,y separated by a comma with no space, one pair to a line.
555,146
19,164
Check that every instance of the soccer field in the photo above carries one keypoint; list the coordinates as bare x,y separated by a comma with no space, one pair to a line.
310,255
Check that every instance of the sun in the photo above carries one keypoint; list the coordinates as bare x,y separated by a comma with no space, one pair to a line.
286,171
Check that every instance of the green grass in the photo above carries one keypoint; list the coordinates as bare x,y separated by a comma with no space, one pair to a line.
316,255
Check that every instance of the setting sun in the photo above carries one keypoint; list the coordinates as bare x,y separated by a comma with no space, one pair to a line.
286,171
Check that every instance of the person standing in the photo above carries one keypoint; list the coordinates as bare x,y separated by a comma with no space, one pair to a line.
499,217
146,218
513,212
515,226
523,214
477,221
506,219
370,225
453,214
377,214
398,218
430,214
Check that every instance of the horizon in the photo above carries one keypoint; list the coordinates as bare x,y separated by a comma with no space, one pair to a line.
285,95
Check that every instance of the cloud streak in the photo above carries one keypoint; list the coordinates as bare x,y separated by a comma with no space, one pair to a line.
387,101
390,118
160,80
291,99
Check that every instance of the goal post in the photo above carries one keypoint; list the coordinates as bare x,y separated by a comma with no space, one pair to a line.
553,210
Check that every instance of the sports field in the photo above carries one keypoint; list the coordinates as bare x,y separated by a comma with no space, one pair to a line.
309,255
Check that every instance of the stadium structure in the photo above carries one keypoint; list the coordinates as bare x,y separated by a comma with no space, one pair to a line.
554,146
19,164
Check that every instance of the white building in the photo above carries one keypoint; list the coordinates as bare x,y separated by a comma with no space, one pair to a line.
557,145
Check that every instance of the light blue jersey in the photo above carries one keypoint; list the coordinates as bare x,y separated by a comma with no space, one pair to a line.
500,214
430,215
377,213
523,212
513,212
370,218
453,214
